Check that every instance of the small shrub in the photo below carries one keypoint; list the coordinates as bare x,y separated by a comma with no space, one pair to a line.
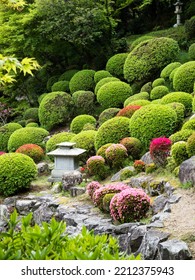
106,202
160,150
128,111
2,153
51,81
101,74
158,82
115,64
133,146
126,173
102,150
141,102
140,40
96,167
92,187
190,28
179,152
103,82
107,114
149,168
32,124
78,122
68,74
190,124
158,92
5,133
61,86
82,80
89,126
32,113
33,151
16,173
57,139
113,94
191,51
179,109
116,155
138,96
139,166
84,101
181,135
147,87
190,146
167,70
183,79
129,205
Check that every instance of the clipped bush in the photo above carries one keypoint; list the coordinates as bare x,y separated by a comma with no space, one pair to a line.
126,173
129,205
51,81
181,135
160,150
167,70
138,96
112,131
82,80
158,92
57,139
150,167
61,86
16,173
107,114
139,165
5,133
152,121
190,146
27,135
133,146
89,126
102,150
179,152
146,60
67,75
190,124
55,109
32,113
180,97
102,191
158,82
33,151
116,155
115,64
84,101
139,102
85,140
101,74
96,167
191,51
190,28
92,187
32,124
40,98
78,122
183,79
106,202
140,40
103,82
113,94
128,111
179,109
147,87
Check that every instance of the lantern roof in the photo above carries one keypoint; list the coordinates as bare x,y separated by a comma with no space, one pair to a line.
66,149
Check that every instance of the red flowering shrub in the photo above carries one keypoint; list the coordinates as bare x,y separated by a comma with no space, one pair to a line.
133,146
128,111
129,205
1,153
92,187
32,150
116,154
110,188
160,150
139,165
96,166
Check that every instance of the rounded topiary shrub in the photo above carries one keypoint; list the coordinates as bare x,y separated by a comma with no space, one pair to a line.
183,79
61,86
82,80
181,135
32,113
5,133
166,71
160,150
158,92
191,51
107,114
84,101
130,205
32,124
85,140
140,40
78,122
102,150
57,139
128,111
180,97
68,74
103,82
179,152
33,151
158,82
116,155
55,109
133,146
147,87
16,173
146,60
89,126
112,131
138,96
27,135
101,74
179,109
190,124
190,146
96,167
152,121
51,81
92,187
109,188
113,94
115,64
139,102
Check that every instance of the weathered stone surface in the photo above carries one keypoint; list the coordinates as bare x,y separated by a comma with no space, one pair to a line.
75,191
141,182
187,171
135,237
155,187
24,206
56,188
174,250
71,179
4,215
43,168
147,158
43,213
159,203
116,177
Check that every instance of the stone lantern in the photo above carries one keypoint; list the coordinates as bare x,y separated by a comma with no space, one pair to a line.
65,160
178,10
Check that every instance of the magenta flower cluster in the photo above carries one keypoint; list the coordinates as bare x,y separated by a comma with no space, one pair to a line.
92,187
160,150
129,205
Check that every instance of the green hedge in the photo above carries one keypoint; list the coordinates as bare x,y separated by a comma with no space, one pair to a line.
166,71
179,152
84,101
5,133
191,51
57,139
138,96
31,113
191,145
82,80
179,109
107,114
61,86
103,82
158,82
101,74
78,122
184,77
68,74
181,135
158,92
115,64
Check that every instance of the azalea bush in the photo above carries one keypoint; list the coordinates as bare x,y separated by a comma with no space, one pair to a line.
133,146
32,150
128,111
116,155
92,187
129,205
96,167
139,166
160,150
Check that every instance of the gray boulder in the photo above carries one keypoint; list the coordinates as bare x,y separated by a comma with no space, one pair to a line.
147,158
71,179
174,250
187,171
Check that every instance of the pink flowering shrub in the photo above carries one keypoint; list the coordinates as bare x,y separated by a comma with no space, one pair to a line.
92,187
110,188
129,205
1,153
116,155
160,150
96,167
139,166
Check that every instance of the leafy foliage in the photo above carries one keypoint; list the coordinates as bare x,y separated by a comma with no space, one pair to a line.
79,121
33,151
5,133
184,77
